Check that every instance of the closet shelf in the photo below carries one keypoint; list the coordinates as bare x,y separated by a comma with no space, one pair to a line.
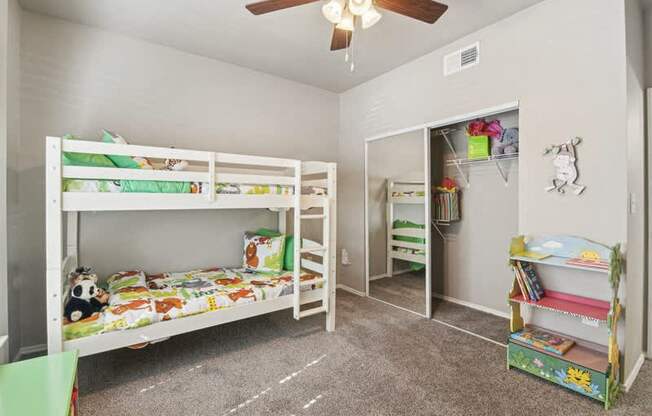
496,158
569,304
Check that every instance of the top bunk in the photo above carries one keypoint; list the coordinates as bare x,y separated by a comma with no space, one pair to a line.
209,180
405,191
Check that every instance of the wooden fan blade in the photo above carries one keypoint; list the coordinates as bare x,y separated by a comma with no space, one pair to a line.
341,39
268,6
425,10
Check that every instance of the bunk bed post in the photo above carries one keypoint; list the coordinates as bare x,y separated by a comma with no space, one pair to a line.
297,241
54,249
72,235
330,256
282,220
211,177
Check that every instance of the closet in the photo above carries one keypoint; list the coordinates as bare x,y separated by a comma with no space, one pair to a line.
472,224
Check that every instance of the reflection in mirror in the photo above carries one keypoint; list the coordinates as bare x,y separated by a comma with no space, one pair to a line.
396,215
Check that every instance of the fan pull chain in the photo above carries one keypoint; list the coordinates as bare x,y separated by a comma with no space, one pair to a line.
347,53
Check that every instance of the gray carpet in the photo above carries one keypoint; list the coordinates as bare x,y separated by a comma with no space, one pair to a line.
380,361
407,290
486,325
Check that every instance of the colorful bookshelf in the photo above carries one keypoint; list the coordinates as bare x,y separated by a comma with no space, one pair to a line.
586,368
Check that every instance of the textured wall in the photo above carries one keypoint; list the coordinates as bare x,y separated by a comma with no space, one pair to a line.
570,79
79,79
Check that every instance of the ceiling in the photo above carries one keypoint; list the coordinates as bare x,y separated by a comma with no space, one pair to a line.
292,43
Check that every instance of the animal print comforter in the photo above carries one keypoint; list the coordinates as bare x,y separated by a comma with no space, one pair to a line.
137,299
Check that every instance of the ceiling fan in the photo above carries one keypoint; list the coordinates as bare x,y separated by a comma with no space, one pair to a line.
344,14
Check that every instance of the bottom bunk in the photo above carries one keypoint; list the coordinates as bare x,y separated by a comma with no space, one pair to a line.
145,308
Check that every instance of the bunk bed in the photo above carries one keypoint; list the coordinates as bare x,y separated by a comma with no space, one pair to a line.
221,176
405,240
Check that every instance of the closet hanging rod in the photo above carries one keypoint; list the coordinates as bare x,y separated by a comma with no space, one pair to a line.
497,158
444,131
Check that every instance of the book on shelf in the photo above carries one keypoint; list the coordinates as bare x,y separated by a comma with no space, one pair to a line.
528,281
520,283
543,340
531,293
531,274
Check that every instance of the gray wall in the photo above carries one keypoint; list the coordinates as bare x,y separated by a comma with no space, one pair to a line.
394,157
471,263
9,137
79,79
570,78
4,308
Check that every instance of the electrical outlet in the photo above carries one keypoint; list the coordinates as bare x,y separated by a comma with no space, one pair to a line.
346,261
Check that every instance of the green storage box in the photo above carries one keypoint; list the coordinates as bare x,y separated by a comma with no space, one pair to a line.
478,147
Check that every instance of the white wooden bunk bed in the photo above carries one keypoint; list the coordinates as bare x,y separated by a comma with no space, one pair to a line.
209,168
404,192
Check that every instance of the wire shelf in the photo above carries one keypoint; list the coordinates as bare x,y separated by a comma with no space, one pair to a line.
496,158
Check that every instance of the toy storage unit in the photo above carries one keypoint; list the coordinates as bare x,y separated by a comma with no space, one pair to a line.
586,368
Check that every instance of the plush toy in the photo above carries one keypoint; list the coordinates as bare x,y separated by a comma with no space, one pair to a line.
482,127
175,164
85,297
506,143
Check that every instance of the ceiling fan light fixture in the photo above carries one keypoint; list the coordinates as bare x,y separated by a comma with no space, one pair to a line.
359,7
370,18
333,11
347,22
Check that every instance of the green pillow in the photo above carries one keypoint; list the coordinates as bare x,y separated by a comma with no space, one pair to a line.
129,162
288,258
84,159
288,261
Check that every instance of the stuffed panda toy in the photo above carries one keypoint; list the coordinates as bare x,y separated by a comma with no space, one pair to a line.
85,297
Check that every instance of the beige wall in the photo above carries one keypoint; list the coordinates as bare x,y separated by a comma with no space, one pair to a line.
570,78
79,79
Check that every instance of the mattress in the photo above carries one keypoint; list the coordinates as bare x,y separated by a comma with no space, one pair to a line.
137,299
114,186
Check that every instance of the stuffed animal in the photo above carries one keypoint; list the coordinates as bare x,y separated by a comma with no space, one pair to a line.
85,297
506,143
175,164
482,127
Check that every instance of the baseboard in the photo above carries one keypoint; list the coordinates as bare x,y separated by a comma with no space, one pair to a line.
472,305
396,273
350,290
378,276
632,376
30,349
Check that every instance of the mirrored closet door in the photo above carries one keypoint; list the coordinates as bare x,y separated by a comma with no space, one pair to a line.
397,221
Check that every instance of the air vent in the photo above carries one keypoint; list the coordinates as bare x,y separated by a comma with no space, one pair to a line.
462,59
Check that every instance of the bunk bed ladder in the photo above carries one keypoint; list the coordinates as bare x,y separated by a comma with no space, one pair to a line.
310,247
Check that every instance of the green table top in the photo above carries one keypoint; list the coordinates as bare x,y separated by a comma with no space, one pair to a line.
38,387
